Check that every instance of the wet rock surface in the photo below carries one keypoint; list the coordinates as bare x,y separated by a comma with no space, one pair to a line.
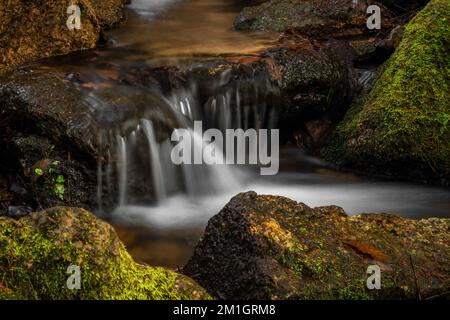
313,17
59,123
267,247
47,135
30,30
36,251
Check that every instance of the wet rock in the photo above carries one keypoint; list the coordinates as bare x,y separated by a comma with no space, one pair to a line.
313,134
31,30
314,79
321,18
301,79
109,13
401,127
343,21
404,6
267,247
47,134
18,211
36,251
60,121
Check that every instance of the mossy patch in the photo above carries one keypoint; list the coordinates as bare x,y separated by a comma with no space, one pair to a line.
36,251
401,127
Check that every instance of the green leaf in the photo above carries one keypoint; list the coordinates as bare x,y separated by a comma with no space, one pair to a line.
39,171
60,179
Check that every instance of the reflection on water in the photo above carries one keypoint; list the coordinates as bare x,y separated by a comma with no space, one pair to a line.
186,28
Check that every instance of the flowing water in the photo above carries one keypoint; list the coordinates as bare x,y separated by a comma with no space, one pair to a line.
160,208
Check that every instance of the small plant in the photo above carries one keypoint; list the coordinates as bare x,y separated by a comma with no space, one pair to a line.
53,166
59,187
57,180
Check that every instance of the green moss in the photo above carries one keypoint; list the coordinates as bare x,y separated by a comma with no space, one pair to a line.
36,251
354,290
401,127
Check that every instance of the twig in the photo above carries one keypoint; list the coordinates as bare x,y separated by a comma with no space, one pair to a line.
419,296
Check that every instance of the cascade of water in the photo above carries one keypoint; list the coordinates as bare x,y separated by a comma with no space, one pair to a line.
155,161
141,148
122,169
221,176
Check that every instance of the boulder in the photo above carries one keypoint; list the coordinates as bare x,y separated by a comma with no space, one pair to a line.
401,128
321,18
314,79
36,252
47,134
267,247
31,30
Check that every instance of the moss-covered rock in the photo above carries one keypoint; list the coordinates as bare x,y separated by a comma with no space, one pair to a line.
267,247
36,29
402,127
36,251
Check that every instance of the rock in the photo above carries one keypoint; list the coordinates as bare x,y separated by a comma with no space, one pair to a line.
61,122
267,247
313,134
403,6
401,128
18,211
321,18
303,81
47,135
32,30
36,251
109,13
314,79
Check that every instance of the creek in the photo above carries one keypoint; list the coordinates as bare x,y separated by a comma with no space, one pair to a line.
161,209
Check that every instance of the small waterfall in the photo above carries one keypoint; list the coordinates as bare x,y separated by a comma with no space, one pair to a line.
122,168
155,161
222,176
139,147
366,77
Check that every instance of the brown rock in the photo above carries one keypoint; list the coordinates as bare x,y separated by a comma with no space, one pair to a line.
267,247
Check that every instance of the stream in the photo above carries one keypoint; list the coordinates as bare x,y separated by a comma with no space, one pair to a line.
162,224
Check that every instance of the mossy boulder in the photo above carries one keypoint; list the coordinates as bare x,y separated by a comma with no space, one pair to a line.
36,252
267,247
36,29
402,127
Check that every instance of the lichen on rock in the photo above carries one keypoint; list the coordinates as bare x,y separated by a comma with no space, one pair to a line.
36,251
